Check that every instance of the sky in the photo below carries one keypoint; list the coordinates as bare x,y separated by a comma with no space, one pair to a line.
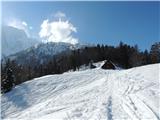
87,22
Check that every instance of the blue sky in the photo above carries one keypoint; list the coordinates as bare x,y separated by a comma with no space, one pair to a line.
95,22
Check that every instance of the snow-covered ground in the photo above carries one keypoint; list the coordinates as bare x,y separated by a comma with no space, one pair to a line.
92,94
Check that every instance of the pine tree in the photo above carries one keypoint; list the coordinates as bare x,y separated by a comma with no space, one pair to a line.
8,83
155,52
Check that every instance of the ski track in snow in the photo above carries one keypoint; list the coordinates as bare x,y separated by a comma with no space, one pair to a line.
109,109
95,94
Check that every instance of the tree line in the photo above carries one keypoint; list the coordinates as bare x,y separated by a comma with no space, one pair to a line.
123,55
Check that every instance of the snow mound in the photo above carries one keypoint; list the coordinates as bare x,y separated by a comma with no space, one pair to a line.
93,94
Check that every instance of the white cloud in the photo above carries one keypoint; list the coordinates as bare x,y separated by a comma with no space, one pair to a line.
60,14
22,25
58,31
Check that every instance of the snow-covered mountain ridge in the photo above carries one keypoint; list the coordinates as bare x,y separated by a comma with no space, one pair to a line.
40,53
93,94
16,45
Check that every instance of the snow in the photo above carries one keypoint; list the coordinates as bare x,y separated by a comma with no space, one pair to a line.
93,94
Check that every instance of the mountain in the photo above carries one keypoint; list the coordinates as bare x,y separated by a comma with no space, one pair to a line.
14,40
40,53
90,94
17,46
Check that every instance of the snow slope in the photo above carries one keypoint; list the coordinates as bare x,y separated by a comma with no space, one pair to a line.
94,94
